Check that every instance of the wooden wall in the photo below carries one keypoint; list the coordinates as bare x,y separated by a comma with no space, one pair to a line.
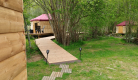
124,29
12,41
121,29
16,5
47,28
34,25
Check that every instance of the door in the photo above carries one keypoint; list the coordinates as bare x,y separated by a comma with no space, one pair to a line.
120,29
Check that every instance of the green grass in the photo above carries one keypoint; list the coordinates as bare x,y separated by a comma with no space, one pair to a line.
33,50
106,58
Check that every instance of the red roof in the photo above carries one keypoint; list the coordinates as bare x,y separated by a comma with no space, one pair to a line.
123,23
42,17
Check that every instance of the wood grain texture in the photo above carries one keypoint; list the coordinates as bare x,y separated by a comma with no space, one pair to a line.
11,44
10,21
13,66
16,5
34,26
12,41
124,29
47,25
57,54
22,38
120,29
22,75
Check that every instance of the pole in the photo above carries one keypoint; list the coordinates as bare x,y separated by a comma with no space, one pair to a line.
80,52
47,51
80,55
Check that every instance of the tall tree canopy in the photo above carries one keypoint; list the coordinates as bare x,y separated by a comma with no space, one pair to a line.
66,15
68,18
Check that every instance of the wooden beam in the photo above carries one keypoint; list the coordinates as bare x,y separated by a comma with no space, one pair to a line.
11,44
12,41
10,21
22,75
13,66
16,5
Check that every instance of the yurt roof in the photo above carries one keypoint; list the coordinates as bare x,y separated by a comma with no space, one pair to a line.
42,17
123,23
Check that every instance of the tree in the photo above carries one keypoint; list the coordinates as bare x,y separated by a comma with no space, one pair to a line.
131,16
96,16
95,20
64,15
26,5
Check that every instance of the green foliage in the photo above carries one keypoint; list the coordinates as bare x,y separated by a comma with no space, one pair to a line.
72,45
31,10
93,17
104,15
33,50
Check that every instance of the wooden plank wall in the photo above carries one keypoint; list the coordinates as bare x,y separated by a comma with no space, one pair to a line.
124,29
34,25
120,29
117,29
47,25
16,5
10,21
12,41
47,28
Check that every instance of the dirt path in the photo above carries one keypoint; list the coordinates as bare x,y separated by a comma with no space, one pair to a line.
35,58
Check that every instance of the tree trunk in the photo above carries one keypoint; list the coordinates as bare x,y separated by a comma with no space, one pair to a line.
61,12
114,27
137,33
27,32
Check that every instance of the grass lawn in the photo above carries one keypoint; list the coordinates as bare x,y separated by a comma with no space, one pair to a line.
106,58
34,50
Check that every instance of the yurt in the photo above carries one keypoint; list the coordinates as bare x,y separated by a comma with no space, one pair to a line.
121,28
41,24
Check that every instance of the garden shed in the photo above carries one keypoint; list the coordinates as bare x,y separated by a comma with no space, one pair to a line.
121,28
41,24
